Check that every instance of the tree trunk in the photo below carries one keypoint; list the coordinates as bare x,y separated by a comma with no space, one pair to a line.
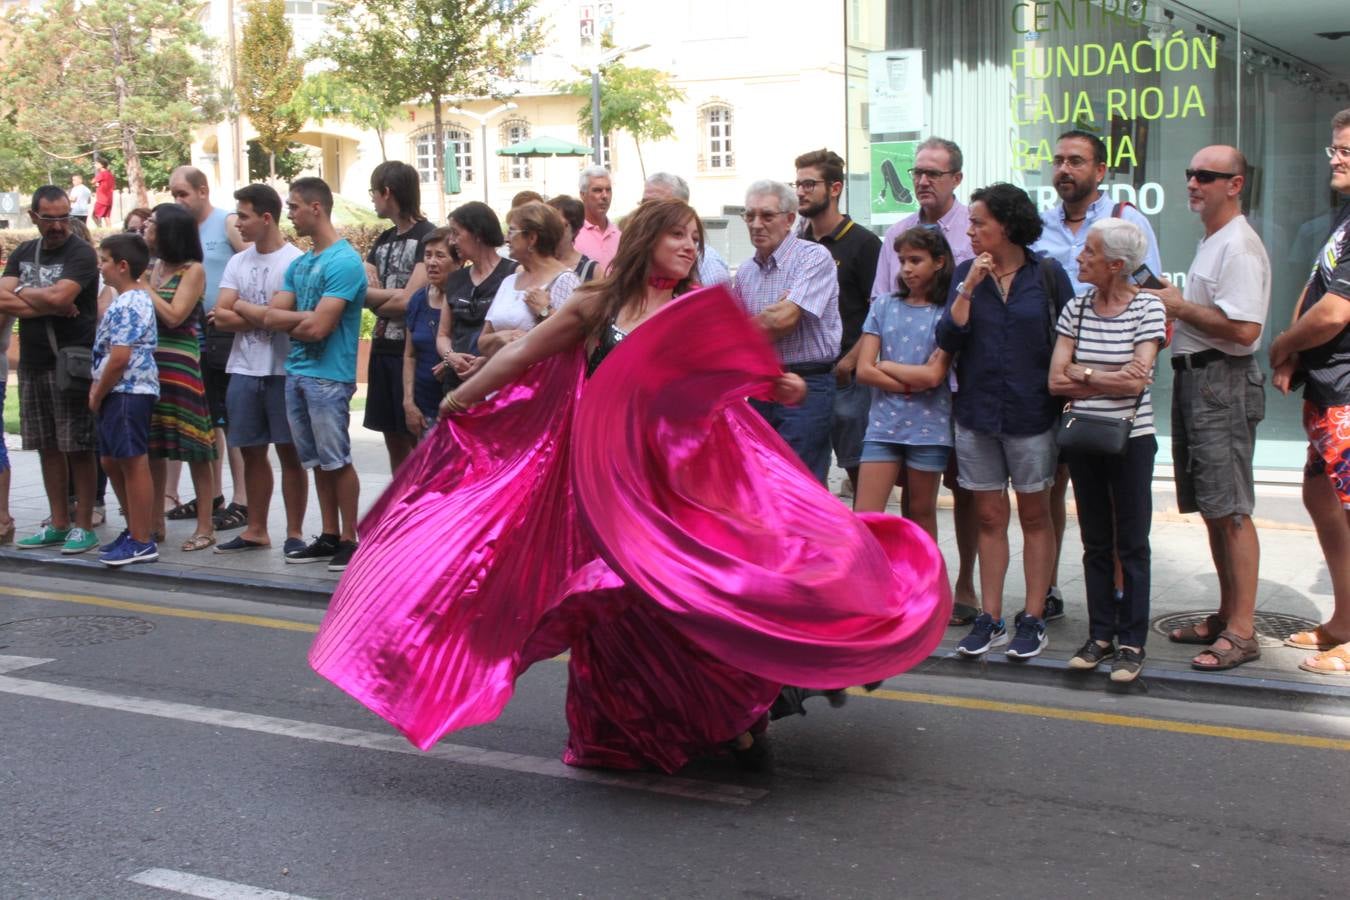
438,165
271,167
131,153
641,165
379,135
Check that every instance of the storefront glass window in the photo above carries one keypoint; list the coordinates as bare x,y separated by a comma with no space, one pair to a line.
1156,81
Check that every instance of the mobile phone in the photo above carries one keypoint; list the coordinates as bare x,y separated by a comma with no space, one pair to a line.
1144,277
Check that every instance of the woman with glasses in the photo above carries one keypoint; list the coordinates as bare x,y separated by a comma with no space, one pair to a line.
540,285
180,425
601,486
475,236
999,325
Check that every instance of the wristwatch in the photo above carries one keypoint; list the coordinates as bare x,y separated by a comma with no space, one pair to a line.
1087,375
548,311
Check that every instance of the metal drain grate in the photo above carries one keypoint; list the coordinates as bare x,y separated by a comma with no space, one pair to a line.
1271,628
72,631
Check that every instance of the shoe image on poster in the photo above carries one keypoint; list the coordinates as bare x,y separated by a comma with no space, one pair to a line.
892,178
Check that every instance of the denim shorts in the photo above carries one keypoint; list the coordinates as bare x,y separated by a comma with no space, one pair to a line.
920,457
319,413
257,410
124,425
987,462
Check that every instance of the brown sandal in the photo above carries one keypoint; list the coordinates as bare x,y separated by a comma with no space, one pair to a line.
1318,639
1335,661
198,542
1243,650
1214,626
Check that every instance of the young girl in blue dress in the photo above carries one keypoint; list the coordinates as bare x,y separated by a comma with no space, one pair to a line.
909,427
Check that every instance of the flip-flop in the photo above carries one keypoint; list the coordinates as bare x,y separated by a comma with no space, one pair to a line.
239,544
1335,661
1214,626
1317,639
198,542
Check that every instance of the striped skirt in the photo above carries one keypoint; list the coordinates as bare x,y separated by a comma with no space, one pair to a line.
180,425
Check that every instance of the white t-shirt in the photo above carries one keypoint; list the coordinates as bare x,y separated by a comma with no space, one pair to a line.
256,277
1230,271
79,200
510,311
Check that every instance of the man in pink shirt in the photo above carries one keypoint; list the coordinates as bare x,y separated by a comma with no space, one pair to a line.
599,237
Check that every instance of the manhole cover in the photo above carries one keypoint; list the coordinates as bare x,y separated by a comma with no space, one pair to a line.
72,631
1271,628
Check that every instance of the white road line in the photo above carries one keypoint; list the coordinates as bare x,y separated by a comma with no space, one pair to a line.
692,789
210,888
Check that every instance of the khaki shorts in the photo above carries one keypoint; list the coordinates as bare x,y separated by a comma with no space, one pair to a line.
1215,411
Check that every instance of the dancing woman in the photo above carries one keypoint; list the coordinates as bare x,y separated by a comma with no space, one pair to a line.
601,486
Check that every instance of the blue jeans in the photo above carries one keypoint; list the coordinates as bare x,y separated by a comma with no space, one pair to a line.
806,427
851,405
319,413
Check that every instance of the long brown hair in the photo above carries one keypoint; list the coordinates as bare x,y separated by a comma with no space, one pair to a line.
626,281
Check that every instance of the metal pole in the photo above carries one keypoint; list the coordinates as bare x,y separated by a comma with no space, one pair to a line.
485,161
596,138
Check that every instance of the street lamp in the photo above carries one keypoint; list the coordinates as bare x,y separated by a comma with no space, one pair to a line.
596,137
482,121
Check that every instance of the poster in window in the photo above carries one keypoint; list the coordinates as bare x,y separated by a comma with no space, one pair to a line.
895,91
890,186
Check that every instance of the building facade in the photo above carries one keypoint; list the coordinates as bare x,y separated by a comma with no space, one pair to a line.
1156,80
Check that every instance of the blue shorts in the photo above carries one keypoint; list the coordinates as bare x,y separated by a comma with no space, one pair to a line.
319,413
256,407
920,457
124,425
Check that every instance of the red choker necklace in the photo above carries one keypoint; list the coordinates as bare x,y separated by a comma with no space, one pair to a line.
662,284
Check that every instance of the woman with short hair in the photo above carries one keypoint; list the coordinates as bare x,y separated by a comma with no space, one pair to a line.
1103,363
539,286
999,325
475,235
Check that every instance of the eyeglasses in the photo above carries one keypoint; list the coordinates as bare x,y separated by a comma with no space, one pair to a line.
1338,153
514,232
930,174
751,215
65,218
808,184
1207,176
1073,162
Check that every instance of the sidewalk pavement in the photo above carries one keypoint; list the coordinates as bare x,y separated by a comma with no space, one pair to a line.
1295,590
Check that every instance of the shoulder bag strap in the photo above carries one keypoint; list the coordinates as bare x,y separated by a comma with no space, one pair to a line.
46,320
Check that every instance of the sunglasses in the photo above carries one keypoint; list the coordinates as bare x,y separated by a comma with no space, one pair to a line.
1208,176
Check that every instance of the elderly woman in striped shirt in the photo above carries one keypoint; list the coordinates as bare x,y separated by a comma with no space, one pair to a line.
1108,341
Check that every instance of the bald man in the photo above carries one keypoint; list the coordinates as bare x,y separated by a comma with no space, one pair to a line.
1218,398
220,241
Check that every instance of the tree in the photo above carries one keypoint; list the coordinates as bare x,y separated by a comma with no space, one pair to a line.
286,165
632,99
432,49
113,75
269,74
328,95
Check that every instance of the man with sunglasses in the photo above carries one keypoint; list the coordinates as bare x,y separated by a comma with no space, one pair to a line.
820,183
51,285
789,286
1218,398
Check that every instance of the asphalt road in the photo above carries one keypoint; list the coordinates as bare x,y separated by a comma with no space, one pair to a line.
180,740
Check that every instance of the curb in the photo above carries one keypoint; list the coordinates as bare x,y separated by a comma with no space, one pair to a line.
1160,679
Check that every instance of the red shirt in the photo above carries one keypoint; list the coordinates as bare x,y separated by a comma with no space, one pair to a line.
103,186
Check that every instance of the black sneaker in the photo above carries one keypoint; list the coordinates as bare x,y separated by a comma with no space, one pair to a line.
1125,667
1029,639
345,551
322,548
1091,656
984,635
1054,607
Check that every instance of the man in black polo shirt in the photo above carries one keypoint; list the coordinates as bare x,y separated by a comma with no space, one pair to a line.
820,181
51,285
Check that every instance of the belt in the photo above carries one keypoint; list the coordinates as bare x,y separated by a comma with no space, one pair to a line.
805,369
1198,360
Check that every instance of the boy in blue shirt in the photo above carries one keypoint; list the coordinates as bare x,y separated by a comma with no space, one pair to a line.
319,306
125,388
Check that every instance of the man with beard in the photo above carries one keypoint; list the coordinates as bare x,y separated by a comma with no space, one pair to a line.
820,182
1079,168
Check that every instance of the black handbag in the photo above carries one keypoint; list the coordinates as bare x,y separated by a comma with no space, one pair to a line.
74,365
1094,433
